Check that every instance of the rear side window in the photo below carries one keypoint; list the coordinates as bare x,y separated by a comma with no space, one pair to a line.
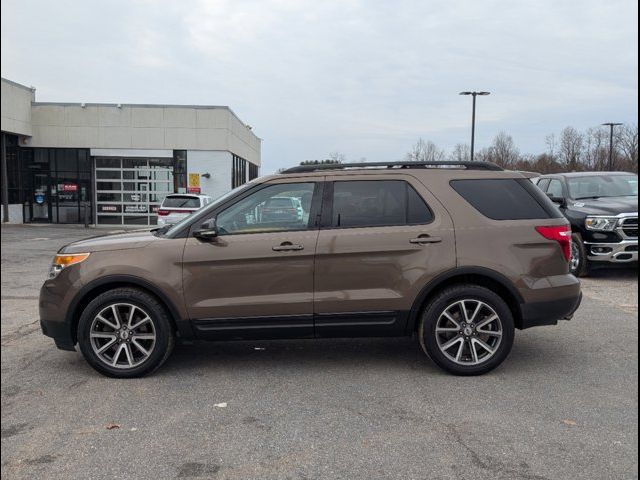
377,203
181,202
506,198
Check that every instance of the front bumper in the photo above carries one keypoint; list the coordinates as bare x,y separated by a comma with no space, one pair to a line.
548,313
60,332
623,252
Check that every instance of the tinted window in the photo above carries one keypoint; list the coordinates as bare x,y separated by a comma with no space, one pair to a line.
555,188
373,203
275,208
417,210
506,199
181,202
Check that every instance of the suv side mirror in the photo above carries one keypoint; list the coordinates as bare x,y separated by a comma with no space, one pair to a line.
559,200
207,231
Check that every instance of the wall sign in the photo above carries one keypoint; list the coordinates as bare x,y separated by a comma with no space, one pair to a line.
135,209
108,208
194,183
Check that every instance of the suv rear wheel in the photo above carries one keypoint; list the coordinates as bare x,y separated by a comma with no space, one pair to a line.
125,333
467,330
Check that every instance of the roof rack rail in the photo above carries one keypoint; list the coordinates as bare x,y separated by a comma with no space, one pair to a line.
405,164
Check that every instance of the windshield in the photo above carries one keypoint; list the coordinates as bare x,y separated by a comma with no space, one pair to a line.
603,186
178,226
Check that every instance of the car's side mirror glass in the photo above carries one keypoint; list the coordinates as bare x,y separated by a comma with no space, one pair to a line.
207,231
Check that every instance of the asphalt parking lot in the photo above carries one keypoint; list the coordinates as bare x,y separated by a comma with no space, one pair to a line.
563,405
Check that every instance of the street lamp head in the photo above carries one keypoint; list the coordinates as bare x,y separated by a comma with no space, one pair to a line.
465,93
611,124
484,93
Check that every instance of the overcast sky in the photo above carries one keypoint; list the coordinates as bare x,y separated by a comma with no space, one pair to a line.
365,78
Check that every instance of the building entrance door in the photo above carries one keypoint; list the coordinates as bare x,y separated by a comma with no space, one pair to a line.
41,201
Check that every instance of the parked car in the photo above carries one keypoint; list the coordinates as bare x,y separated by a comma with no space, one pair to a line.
603,210
281,209
459,257
176,207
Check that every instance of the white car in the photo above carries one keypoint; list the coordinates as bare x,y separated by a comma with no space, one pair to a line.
177,206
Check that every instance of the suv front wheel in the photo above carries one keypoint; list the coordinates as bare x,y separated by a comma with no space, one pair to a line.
579,265
467,330
125,333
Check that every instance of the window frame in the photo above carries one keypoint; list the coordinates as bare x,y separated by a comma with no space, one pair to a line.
326,222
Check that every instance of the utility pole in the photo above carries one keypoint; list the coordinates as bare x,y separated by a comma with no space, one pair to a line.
611,125
473,117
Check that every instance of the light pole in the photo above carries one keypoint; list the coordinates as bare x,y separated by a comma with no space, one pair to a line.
611,125
473,117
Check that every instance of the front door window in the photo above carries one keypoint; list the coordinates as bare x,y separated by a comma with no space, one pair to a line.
276,208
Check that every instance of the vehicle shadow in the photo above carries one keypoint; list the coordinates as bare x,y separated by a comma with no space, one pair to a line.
313,355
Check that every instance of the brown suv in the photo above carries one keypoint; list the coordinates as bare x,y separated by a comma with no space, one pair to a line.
459,254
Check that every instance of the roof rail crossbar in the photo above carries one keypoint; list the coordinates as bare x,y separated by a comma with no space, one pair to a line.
343,166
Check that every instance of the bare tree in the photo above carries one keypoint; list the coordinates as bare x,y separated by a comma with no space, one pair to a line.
425,152
504,151
460,153
570,149
627,141
595,154
552,145
337,157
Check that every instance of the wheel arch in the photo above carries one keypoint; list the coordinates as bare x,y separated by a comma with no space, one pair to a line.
468,275
101,285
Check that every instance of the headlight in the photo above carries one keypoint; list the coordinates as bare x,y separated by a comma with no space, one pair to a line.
604,224
62,261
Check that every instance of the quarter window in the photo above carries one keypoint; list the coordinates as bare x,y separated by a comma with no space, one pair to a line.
377,203
506,198
276,208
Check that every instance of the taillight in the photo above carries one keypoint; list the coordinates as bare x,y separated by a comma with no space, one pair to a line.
162,213
561,234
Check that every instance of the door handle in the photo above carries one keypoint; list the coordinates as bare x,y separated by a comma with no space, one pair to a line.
287,247
424,239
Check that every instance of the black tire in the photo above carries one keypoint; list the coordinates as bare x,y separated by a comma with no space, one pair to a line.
164,334
581,267
435,308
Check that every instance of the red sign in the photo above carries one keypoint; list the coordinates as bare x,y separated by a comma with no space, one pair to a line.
69,187
193,190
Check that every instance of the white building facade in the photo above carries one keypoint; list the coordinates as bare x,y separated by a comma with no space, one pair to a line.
119,160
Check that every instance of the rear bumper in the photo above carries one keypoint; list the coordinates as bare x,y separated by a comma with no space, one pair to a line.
548,313
622,252
60,332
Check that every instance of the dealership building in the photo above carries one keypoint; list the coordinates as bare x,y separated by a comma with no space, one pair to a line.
116,162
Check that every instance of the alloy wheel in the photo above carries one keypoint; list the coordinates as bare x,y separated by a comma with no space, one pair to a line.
575,256
469,332
122,335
